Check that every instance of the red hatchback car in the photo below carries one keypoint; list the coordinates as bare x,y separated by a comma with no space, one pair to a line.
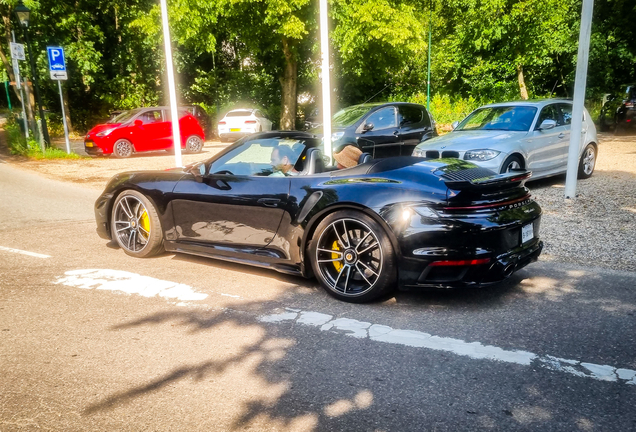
143,129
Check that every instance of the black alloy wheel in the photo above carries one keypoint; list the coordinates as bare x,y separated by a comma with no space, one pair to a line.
352,257
194,144
511,163
123,148
135,225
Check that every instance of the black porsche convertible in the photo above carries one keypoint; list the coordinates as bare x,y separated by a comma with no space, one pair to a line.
268,200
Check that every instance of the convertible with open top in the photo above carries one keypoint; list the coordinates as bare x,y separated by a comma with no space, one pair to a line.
268,200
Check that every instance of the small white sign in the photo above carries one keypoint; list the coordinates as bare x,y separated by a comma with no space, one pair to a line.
17,51
58,75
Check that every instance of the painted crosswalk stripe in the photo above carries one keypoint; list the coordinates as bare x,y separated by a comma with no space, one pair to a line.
33,254
475,350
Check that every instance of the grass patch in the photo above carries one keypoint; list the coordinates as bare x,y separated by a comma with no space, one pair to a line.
30,148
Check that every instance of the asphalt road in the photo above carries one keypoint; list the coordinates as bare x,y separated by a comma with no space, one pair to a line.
91,339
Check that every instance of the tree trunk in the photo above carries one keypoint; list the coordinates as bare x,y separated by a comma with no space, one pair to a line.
30,106
3,56
289,83
522,83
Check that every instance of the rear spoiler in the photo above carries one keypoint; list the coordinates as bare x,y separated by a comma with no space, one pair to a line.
462,180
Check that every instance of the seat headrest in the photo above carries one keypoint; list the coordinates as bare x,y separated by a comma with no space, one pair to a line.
313,162
364,158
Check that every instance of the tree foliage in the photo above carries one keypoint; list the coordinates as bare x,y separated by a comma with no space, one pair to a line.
264,53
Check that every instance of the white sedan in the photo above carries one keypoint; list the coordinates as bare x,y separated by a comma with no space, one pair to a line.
532,135
241,122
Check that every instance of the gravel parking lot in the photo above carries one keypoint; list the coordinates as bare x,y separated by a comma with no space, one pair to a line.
598,229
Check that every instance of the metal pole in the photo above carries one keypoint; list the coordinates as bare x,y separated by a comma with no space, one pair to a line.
26,124
6,88
428,86
16,73
326,86
579,99
68,145
176,133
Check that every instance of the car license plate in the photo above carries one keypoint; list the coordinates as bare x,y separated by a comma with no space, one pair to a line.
527,233
235,130
88,144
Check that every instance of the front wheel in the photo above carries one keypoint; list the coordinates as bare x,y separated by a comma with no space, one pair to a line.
135,225
511,163
352,257
194,144
587,162
122,148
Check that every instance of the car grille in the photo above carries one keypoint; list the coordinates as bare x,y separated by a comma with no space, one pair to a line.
468,174
434,154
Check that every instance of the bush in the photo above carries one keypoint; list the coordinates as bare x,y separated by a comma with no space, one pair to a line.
30,148
444,109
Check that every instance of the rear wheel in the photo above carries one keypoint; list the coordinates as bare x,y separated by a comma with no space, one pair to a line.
123,148
352,257
587,162
194,144
135,225
511,163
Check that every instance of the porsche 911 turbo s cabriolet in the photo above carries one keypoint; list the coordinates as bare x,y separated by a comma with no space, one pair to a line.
268,200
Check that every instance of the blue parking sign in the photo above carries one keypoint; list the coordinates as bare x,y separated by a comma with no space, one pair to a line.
57,63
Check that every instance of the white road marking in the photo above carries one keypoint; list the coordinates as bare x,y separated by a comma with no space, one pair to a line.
130,283
33,254
475,350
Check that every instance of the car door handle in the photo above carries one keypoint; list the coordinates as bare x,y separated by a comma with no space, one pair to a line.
396,133
269,202
561,135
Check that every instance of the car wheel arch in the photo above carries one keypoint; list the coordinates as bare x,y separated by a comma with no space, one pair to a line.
120,190
317,218
518,154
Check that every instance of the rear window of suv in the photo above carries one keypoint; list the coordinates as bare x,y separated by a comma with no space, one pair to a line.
239,114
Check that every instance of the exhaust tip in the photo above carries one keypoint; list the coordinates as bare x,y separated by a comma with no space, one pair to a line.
509,269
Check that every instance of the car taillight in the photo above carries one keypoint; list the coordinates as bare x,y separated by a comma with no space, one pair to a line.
629,104
221,122
250,121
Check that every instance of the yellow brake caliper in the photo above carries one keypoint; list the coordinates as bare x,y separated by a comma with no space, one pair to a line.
144,221
337,264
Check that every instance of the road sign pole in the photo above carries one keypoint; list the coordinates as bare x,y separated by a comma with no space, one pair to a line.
18,79
45,131
68,145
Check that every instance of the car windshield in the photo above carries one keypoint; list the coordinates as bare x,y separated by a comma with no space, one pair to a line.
125,116
264,157
348,116
507,118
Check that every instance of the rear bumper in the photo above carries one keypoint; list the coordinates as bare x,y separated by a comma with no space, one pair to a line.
496,270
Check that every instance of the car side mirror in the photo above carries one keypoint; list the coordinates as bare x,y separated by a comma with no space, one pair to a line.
367,127
454,124
547,124
198,171
138,122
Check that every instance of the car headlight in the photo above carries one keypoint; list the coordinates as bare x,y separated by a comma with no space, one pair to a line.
481,155
336,136
418,152
105,132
